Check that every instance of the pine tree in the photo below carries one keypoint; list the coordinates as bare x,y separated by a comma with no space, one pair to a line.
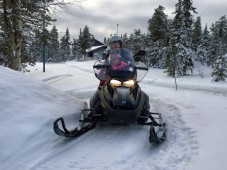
218,39
80,39
157,26
203,47
36,46
53,48
215,42
125,40
65,50
220,67
67,45
172,59
85,39
158,37
188,9
135,41
180,39
76,51
223,33
196,33
62,50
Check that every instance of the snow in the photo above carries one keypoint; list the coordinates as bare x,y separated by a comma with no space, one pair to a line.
195,114
94,48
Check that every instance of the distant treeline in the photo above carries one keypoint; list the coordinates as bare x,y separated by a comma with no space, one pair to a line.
178,45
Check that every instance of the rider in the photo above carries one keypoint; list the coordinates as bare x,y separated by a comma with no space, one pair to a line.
115,43
117,62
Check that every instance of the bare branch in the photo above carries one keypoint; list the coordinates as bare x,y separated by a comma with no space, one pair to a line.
59,6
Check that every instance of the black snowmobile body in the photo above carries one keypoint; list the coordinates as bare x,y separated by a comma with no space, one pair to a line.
121,105
120,100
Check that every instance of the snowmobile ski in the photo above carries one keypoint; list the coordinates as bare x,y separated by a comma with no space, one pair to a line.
80,130
157,130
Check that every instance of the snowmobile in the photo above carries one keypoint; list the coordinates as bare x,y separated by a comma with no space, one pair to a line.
120,99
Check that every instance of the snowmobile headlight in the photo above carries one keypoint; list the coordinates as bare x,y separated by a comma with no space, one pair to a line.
115,83
129,83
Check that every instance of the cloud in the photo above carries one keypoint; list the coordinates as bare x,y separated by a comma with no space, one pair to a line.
102,16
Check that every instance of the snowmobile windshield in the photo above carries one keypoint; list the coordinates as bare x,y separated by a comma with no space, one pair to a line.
120,64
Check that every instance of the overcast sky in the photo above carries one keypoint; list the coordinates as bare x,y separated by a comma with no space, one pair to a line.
102,16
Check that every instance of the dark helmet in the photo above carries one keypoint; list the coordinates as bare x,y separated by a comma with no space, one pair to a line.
115,38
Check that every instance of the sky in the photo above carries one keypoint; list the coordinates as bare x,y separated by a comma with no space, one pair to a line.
102,16
30,102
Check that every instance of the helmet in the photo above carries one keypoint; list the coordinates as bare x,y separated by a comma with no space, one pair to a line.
115,38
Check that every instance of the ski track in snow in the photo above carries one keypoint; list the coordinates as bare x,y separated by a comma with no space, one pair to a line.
81,153
82,69
56,78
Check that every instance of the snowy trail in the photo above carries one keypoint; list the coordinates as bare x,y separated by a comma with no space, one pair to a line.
124,151
114,147
195,121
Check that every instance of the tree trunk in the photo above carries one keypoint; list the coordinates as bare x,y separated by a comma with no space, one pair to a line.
13,23
17,34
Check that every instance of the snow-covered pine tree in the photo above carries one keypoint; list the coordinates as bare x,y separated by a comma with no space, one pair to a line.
76,51
196,33
36,46
181,37
158,35
80,41
62,49
125,40
85,39
223,33
136,41
65,51
157,25
215,41
203,47
54,45
156,54
172,59
218,39
218,51
219,72
147,47
67,45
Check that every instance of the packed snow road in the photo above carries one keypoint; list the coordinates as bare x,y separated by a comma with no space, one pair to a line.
121,147
196,136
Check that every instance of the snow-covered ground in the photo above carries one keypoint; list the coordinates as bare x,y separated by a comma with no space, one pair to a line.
196,116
